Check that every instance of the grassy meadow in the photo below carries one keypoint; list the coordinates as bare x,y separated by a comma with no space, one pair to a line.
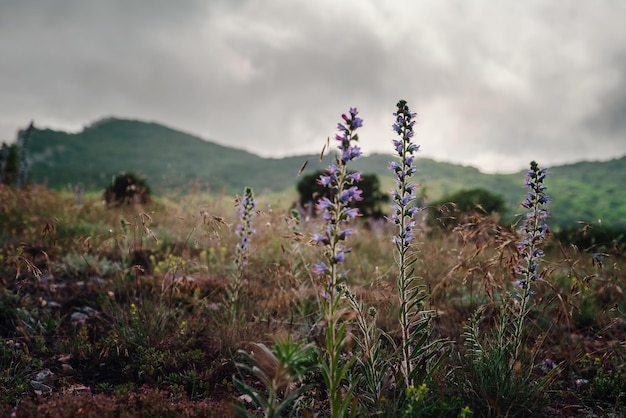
215,305
120,312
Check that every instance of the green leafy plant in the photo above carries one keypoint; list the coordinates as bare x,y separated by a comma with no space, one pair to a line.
373,362
497,370
76,265
496,381
421,402
281,371
609,385
15,365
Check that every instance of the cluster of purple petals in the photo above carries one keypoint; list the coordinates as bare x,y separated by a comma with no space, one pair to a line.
336,210
404,195
346,135
534,226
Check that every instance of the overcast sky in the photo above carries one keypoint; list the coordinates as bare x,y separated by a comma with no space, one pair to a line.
495,83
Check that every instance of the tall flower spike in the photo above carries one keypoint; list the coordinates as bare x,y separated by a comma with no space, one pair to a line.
244,230
411,297
533,229
534,226
341,183
336,212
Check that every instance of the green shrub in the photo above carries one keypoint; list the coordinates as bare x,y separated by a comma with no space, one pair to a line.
8,163
457,208
127,189
594,238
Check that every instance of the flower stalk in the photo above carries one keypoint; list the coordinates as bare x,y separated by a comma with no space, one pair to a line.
534,229
417,349
245,231
403,212
337,213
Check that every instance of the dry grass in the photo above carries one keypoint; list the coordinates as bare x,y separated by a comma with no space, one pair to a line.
124,306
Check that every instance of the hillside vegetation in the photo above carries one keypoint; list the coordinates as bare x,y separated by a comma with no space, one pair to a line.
170,159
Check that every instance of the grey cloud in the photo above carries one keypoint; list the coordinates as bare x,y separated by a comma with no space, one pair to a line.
495,84
609,119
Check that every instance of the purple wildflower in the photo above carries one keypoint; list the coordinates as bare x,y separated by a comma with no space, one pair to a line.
345,233
353,193
324,180
245,231
336,210
534,227
349,213
320,239
339,257
350,153
404,210
355,177
320,268
324,204
534,230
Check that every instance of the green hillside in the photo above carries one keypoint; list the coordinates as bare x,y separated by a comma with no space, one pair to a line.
170,159
166,157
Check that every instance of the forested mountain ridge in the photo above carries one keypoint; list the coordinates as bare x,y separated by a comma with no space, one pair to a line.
171,159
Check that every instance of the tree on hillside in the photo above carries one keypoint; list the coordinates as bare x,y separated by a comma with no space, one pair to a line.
15,160
23,157
459,207
8,163
373,198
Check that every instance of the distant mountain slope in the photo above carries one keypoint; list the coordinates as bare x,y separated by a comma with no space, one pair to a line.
171,159
168,158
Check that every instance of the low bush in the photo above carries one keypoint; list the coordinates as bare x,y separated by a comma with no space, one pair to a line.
127,189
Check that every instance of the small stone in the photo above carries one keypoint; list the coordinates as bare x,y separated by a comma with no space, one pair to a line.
52,304
98,281
89,311
547,365
40,388
79,317
581,383
44,376
245,399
